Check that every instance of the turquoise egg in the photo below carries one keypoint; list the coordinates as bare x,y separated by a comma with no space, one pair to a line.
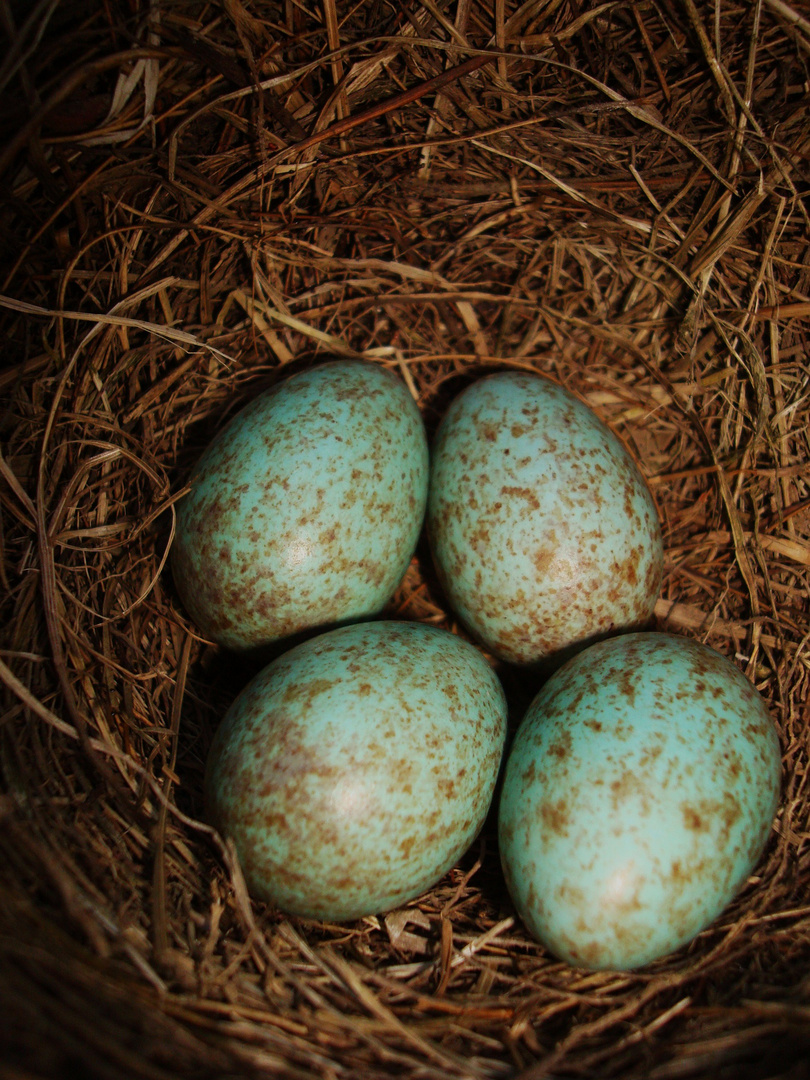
638,796
357,768
542,528
305,510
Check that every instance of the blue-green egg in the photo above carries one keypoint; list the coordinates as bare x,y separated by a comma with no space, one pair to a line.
638,796
357,768
304,512
543,530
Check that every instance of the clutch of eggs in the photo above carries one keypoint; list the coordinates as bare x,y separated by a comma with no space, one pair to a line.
305,510
354,771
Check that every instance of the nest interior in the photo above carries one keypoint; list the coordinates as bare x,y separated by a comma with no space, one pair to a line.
198,198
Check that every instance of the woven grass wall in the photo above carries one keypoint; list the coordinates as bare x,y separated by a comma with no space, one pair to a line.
197,198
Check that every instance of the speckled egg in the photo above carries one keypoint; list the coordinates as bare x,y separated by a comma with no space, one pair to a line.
637,798
543,530
355,769
305,510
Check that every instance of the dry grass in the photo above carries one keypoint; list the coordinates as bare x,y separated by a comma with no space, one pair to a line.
195,196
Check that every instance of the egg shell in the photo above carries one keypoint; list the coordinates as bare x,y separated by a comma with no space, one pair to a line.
357,768
305,510
638,796
542,528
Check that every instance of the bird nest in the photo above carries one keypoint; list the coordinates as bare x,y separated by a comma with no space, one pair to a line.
199,198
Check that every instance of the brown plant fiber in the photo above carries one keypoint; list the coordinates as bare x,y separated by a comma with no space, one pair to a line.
195,199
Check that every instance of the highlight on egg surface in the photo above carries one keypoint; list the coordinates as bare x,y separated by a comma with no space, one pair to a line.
638,796
543,530
304,512
357,768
